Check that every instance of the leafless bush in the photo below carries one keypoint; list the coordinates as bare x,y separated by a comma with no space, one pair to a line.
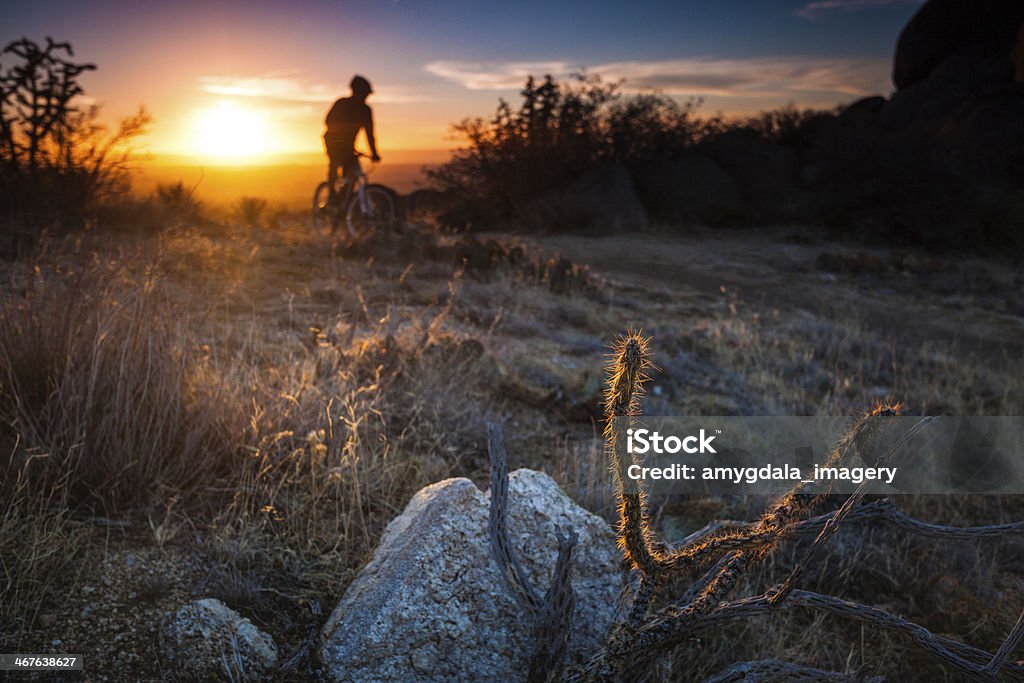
57,162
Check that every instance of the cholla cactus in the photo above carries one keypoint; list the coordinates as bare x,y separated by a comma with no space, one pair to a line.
723,554
627,373
727,555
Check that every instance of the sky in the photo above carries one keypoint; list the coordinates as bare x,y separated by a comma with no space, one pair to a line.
235,81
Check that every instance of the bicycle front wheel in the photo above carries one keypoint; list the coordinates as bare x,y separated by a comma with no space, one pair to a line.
372,213
325,216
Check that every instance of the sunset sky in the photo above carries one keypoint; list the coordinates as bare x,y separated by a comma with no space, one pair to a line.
237,81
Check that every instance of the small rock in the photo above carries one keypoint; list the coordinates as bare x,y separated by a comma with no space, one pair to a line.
206,640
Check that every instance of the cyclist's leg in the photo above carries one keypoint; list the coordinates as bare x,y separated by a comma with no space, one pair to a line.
336,156
350,166
332,172
332,180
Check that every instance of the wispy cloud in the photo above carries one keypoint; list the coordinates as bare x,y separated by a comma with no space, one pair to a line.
494,76
815,9
292,87
770,76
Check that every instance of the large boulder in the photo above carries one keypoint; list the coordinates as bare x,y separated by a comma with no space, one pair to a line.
982,33
427,203
834,140
432,604
985,136
951,57
689,189
604,198
207,641
763,170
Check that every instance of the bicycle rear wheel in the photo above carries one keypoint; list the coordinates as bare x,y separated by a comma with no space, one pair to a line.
325,216
379,214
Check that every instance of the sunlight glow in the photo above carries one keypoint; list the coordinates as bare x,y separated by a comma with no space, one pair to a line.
228,132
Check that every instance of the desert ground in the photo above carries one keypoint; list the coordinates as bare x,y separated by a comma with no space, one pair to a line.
288,394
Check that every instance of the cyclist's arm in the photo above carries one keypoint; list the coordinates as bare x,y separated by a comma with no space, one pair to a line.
371,140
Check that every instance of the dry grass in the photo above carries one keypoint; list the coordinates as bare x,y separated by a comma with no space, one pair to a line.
763,362
39,548
99,392
141,388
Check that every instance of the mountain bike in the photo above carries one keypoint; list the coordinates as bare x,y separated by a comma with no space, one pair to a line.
363,208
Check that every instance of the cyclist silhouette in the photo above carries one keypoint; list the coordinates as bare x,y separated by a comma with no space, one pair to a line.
346,118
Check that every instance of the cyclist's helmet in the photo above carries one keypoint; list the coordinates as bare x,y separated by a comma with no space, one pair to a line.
360,86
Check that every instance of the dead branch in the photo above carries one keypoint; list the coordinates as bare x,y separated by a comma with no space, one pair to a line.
1009,645
672,626
501,547
554,622
778,671
552,616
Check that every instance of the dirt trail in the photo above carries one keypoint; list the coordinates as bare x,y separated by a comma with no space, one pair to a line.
971,302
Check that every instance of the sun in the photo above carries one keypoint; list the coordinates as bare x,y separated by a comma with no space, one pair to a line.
228,132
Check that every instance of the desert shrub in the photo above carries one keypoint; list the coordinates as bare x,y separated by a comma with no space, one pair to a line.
558,132
649,126
250,211
523,161
178,203
788,125
57,161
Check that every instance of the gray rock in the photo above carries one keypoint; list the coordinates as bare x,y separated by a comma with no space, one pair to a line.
606,198
764,171
425,203
692,188
205,640
432,605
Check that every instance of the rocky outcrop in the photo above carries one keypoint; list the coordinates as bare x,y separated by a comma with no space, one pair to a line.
432,604
207,641
941,161
952,39
954,74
